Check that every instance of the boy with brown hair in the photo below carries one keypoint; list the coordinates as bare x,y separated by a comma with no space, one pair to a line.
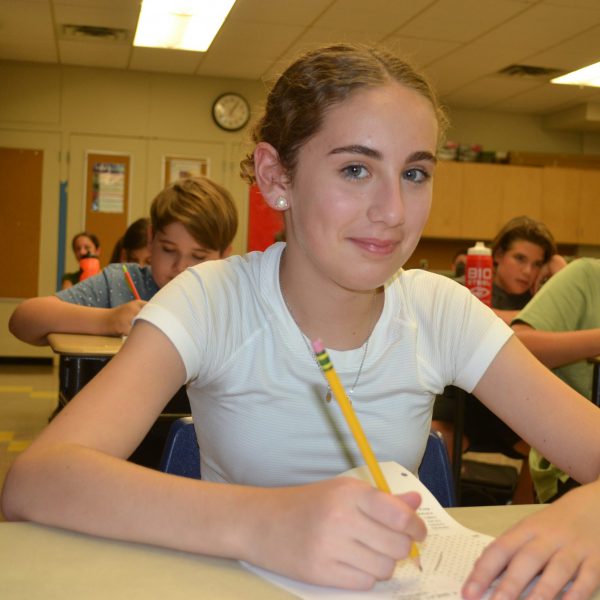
193,220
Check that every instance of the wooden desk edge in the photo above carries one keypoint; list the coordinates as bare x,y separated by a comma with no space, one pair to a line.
84,345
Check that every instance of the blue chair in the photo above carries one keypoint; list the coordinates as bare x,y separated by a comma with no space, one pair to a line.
435,471
181,456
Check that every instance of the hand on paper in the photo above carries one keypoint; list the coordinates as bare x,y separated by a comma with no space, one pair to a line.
562,542
340,532
121,317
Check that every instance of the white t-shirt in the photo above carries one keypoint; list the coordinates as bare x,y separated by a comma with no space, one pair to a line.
258,396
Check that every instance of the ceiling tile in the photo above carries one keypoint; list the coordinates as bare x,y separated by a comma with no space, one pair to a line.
461,20
123,14
381,17
488,90
278,12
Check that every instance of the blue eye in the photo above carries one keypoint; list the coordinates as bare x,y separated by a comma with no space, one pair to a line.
355,172
416,175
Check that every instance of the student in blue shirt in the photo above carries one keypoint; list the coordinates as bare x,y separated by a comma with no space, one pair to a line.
193,220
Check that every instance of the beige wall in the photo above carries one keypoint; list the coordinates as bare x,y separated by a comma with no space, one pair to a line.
70,110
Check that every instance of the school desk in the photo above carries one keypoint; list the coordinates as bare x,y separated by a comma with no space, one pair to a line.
81,357
38,562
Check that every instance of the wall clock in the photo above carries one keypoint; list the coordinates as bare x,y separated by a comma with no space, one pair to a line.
231,111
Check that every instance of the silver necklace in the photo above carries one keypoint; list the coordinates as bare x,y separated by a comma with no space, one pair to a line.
328,395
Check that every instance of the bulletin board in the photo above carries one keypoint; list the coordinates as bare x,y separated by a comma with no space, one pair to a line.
20,215
107,198
177,167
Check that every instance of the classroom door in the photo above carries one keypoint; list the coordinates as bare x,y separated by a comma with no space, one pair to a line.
107,189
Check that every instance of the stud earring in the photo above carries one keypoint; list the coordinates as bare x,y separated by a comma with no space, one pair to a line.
281,203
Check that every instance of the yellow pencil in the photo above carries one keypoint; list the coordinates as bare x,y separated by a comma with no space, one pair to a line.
355,427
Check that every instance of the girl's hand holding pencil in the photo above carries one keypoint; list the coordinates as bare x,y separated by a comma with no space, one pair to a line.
355,427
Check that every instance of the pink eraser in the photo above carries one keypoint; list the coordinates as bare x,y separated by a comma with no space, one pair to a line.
318,346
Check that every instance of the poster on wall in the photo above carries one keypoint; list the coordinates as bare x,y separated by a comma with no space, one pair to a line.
108,187
178,167
106,198
265,225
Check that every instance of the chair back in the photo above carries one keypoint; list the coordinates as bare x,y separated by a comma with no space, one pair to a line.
435,471
181,456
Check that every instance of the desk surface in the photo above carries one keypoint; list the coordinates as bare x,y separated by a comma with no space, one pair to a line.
38,562
82,344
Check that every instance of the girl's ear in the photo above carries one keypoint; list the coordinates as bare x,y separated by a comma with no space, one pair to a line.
270,176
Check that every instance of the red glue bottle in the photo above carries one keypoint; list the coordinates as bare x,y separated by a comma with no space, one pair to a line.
479,272
89,265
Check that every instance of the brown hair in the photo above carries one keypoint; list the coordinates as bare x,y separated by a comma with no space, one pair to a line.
203,207
298,101
527,229
134,238
93,238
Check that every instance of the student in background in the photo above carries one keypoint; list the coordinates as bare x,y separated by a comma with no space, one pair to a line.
561,326
193,220
83,243
525,254
133,246
346,150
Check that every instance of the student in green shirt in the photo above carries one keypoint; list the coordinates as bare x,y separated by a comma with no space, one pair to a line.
561,326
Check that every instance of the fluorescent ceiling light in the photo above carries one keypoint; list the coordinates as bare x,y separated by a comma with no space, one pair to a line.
588,76
180,24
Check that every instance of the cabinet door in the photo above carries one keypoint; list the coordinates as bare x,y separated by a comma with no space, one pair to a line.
522,192
481,201
589,208
445,216
561,189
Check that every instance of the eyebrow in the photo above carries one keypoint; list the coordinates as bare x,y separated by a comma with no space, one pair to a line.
358,149
372,153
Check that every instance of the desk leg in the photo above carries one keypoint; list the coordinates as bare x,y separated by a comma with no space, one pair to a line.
73,373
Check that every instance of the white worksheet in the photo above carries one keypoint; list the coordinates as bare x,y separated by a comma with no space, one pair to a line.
447,554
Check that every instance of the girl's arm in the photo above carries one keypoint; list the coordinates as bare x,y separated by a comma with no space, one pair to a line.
338,532
35,318
558,348
563,540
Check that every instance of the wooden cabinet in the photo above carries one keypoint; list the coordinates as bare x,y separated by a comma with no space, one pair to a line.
522,192
474,200
446,213
560,207
589,208
481,201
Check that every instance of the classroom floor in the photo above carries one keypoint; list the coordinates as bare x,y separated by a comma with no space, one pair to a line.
28,394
